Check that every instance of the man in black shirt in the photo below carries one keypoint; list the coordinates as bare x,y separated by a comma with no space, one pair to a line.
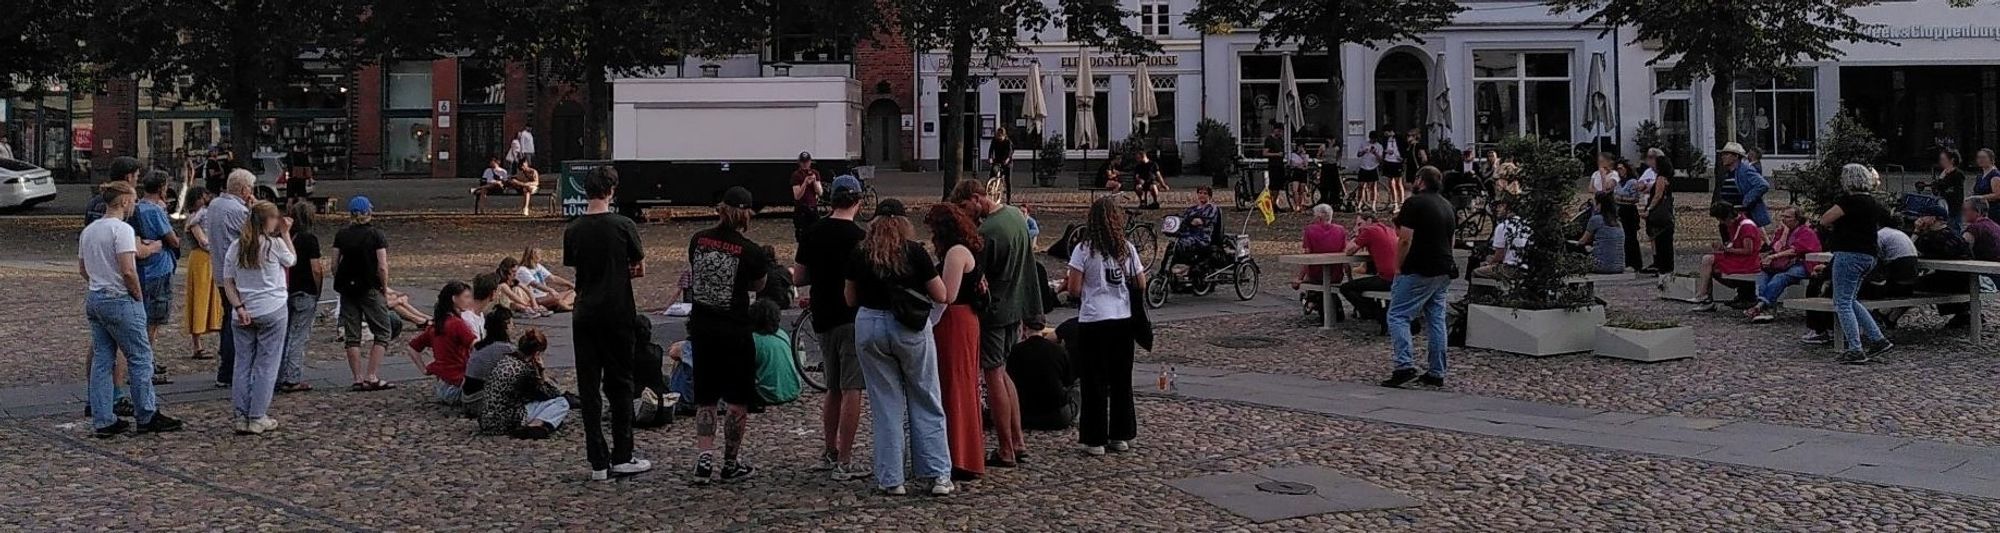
360,277
1041,371
604,249
822,262
1423,242
1274,157
726,267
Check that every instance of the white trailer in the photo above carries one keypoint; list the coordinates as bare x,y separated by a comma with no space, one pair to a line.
682,141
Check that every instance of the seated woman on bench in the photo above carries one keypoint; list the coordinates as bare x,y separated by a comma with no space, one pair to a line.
1738,256
1786,265
1603,238
496,180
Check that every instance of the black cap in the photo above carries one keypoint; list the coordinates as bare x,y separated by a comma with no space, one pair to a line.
890,207
805,156
737,197
122,166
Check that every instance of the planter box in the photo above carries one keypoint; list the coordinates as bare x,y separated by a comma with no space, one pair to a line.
1535,333
1679,288
1645,345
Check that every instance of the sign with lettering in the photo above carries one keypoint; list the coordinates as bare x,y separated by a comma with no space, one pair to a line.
1935,33
573,199
1124,61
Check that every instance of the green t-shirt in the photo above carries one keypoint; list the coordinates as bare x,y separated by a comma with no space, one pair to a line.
1009,262
777,380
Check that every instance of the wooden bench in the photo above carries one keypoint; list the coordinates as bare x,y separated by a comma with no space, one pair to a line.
555,200
1825,305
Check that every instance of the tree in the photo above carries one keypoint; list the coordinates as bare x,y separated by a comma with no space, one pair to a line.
1845,140
48,47
1548,174
1727,40
993,28
1324,25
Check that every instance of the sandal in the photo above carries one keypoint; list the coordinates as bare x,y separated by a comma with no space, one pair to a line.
201,354
294,387
993,460
358,387
381,385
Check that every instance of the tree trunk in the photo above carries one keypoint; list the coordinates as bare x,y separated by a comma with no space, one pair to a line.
598,92
1723,103
1336,91
952,161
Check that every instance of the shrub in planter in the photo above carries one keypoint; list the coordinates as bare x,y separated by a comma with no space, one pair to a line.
1539,313
1645,341
1843,141
1217,146
1049,161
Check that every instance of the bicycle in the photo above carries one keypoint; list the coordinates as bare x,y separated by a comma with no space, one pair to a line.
806,354
1241,270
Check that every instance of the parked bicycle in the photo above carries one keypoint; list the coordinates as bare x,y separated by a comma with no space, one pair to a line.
806,352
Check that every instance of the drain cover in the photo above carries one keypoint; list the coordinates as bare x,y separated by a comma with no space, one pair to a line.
1244,342
1288,488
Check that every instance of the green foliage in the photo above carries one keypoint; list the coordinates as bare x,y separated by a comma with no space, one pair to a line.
1679,148
1325,24
1843,141
1049,160
47,47
1642,325
1549,183
1217,145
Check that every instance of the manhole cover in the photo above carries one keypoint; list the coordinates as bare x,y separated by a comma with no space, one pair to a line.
1288,488
1244,342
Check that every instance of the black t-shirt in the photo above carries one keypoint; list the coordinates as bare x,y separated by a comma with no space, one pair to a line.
358,271
1860,217
602,248
1147,170
1430,219
300,277
724,266
874,290
1041,372
825,251
1275,144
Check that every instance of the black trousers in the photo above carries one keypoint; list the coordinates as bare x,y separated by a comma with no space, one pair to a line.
1628,220
1104,366
225,353
1659,224
1364,306
604,374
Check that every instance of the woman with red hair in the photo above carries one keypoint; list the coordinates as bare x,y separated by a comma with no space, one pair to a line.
956,240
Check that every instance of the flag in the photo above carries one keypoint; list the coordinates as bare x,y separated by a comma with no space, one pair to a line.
1267,206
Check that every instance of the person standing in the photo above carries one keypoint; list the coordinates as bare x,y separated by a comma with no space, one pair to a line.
1392,166
1423,246
1658,199
526,139
224,225
156,270
253,280
204,299
361,279
1605,178
303,280
605,250
1750,184
1367,186
6,147
1987,186
1274,158
822,266
1950,185
806,190
899,358
1016,284
107,258
727,267
123,170
1104,272
1852,222
956,240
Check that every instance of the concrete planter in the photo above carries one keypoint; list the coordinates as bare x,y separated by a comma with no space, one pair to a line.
1645,345
1679,288
1534,333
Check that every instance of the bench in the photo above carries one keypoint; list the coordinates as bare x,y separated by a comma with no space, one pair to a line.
1825,305
555,200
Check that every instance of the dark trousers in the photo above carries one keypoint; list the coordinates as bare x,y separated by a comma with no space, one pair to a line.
1945,283
225,353
1659,224
1364,306
1104,366
604,373
1628,220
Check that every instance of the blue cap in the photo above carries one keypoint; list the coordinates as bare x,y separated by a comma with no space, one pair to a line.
360,205
1928,210
845,183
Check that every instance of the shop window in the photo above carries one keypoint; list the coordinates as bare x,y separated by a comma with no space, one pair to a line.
482,82
1778,115
1153,18
1673,110
1257,95
1522,93
407,145
409,85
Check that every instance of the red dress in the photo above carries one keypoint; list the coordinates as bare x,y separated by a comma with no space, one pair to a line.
957,334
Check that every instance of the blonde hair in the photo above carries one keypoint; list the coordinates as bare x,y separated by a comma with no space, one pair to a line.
250,249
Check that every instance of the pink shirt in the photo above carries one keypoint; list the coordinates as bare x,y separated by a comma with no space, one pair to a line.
1802,240
1380,241
1323,238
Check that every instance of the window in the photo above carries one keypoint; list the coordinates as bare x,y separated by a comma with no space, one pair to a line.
1161,126
801,42
1257,96
1521,93
1153,18
408,147
409,85
482,81
1014,97
1100,112
1778,115
1673,110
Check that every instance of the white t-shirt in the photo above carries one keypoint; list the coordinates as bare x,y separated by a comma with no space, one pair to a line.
493,175
532,278
1601,181
476,321
527,141
1370,156
1390,152
263,287
1511,235
1105,296
99,247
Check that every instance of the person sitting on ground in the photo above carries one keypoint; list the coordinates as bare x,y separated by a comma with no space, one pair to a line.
1737,257
505,292
486,353
521,401
1034,227
1378,240
496,180
1196,237
1149,180
1322,236
1603,237
399,302
544,285
1786,264
1109,174
1936,240
449,341
520,287
1510,237
777,380
1041,371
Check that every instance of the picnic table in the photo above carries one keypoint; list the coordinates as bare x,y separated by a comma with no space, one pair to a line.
1329,265
1977,269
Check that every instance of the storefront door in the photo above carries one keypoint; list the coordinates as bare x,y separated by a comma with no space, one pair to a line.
1920,110
480,137
1401,86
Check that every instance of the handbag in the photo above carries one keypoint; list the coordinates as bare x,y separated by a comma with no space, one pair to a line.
911,309
1142,326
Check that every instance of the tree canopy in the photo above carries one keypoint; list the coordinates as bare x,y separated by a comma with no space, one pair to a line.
46,44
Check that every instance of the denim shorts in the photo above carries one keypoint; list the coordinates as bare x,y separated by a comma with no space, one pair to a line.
159,299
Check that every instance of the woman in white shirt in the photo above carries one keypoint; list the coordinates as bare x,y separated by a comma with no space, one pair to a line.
1106,332
1392,165
1367,183
550,290
1605,179
253,280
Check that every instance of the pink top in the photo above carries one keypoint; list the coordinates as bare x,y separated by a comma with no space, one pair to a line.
1380,241
1323,238
1748,236
1802,240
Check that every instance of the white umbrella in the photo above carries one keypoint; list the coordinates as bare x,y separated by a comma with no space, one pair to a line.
1086,100
1291,110
1597,113
1033,107
1144,105
1443,100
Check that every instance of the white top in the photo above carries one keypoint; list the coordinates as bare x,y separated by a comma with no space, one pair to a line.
1893,244
99,247
1371,156
493,175
1603,180
1105,296
263,287
476,321
1296,160
1390,152
1511,235
533,278
527,141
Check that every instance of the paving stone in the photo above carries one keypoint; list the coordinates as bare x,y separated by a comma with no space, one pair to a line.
1905,477
1626,443
1331,493
1616,418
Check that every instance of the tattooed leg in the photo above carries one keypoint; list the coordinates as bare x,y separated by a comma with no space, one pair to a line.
739,422
704,427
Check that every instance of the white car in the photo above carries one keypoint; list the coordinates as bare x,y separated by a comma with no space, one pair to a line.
23,185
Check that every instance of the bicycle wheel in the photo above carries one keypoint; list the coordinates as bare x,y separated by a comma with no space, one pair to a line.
1143,238
1157,289
1472,227
1247,274
1244,200
806,353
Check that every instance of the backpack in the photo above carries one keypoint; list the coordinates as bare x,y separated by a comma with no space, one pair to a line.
777,378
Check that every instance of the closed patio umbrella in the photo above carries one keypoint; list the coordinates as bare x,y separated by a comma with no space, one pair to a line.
1291,109
1144,105
1443,101
1033,107
1597,114
1086,103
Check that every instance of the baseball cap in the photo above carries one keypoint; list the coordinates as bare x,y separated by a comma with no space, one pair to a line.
805,156
890,207
360,205
737,197
1928,210
846,184
124,165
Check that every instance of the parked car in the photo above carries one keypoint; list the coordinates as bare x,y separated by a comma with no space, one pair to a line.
23,185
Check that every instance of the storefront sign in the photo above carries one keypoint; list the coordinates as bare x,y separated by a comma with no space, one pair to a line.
82,139
909,122
1935,33
1123,61
573,199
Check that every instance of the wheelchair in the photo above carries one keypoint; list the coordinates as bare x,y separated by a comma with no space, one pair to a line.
1226,261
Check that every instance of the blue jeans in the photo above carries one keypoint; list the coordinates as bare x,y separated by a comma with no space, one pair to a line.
1408,294
900,367
1849,269
301,307
259,349
118,323
1771,287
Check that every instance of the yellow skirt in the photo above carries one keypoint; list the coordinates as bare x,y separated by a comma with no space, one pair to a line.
204,300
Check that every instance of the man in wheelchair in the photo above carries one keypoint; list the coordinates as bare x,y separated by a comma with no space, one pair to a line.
1194,241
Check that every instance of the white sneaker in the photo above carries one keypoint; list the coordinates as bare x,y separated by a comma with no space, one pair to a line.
1093,451
1704,307
257,426
943,487
847,472
1763,318
1814,337
525,212
635,466
895,491
1120,446
600,475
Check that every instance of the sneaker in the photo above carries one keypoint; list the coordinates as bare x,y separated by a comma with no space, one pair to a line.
1854,357
116,427
1397,379
1706,306
240,425
734,471
1093,451
1876,349
632,467
161,424
123,407
704,468
849,472
1763,317
894,491
600,475
1120,446
943,487
1430,381
1814,337
257,426
828,460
